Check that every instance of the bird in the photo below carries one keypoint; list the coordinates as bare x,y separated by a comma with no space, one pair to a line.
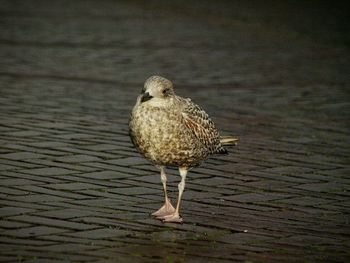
172,131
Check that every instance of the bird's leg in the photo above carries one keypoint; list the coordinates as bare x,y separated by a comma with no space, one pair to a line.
167,208
175,217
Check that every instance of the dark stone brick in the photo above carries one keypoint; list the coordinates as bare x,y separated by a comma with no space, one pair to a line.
51,222
33,231
74,189
22,156
51,171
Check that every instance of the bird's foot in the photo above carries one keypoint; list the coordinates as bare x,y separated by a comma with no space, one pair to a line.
166,209
173,218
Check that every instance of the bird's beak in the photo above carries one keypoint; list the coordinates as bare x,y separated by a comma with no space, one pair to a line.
146,97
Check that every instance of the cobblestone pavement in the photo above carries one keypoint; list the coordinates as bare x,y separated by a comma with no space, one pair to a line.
73,189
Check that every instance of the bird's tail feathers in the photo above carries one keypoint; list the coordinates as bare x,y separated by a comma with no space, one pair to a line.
229,140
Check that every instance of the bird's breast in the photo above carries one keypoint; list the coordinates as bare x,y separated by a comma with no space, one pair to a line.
159,134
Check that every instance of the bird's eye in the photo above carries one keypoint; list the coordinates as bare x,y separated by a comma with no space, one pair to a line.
164,91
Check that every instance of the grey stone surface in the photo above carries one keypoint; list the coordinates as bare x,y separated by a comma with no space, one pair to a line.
73,189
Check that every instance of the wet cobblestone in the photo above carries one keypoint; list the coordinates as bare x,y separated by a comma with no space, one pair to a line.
73,189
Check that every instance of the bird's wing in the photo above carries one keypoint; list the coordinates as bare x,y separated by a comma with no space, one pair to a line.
198,122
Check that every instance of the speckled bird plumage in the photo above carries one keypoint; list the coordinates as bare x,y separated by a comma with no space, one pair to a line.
172,131
176,132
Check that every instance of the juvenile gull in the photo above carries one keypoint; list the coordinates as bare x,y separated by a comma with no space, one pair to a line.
172,131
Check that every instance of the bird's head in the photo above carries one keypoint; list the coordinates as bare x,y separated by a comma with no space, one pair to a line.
157,88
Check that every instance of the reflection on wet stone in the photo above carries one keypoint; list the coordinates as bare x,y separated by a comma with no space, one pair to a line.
73,188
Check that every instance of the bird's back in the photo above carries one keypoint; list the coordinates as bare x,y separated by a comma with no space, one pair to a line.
203,128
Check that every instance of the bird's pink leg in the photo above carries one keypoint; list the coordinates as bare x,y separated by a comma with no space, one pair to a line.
175,216
167,208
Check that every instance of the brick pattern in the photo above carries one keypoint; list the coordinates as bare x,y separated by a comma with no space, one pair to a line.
73,189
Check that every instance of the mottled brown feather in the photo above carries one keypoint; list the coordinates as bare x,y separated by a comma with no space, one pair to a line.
170,130
199,122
